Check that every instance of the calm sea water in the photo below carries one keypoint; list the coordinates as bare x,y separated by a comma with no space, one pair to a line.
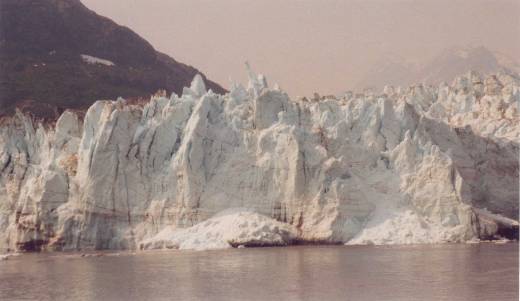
438,272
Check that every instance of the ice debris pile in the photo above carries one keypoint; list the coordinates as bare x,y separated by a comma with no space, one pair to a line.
234,227
415,165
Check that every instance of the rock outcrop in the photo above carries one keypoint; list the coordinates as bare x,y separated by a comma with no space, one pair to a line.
415,165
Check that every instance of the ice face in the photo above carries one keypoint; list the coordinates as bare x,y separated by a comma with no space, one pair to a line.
415,165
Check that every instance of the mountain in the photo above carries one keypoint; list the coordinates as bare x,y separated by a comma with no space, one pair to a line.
397,71
452,62
255,168
390,69
57,54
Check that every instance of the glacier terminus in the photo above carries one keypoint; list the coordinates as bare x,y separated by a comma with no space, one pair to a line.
422,164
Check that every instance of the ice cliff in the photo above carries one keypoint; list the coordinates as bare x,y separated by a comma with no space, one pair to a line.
415,165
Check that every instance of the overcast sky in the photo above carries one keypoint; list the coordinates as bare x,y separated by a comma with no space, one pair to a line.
312,45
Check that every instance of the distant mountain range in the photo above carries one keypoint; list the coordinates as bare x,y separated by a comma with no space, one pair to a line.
397,71
57,54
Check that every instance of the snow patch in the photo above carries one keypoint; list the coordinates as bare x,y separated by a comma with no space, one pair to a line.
95,60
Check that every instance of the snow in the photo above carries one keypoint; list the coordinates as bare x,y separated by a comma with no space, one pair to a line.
411,165
235,227
95,60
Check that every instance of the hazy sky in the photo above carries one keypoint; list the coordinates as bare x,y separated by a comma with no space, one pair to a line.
312,45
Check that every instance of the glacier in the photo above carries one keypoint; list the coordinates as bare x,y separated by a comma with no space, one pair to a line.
423,164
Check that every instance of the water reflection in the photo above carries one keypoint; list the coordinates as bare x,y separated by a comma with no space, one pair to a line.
446,272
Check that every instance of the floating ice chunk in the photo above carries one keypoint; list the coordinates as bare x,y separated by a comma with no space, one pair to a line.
6,256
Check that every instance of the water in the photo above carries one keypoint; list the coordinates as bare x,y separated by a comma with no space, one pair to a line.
441,272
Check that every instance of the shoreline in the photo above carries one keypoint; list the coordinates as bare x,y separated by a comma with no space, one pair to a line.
116,253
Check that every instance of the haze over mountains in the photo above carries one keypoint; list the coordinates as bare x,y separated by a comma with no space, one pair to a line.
398,71
309,46
59,54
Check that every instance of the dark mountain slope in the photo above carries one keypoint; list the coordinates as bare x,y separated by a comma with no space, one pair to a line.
42,68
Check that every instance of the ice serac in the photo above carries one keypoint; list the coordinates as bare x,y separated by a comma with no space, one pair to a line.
417,165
